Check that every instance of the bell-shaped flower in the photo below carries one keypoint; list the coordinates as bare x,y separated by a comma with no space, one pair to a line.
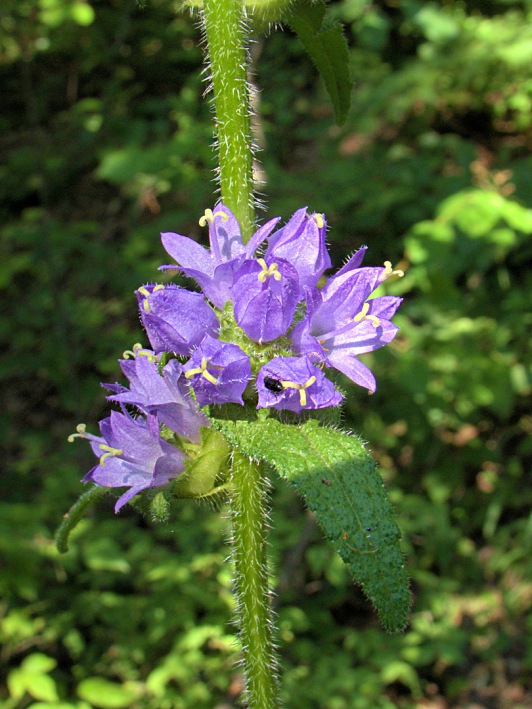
341,323
218,371
214,269
132,454
161,392
295,384
301,241
265,295
175,319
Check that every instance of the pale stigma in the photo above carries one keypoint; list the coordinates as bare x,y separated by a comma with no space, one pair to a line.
363,315
203,371
109,452
267,271
301,388
209,217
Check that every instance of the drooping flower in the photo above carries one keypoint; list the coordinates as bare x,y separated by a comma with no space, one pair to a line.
175,319
342,322
218,371
132,454
295,384
164,393
214,269
301,241
265,295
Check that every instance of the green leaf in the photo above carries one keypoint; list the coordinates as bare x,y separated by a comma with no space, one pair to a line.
101,693
60,705
41,687
16,683
338,479
38,663
31,678
325,42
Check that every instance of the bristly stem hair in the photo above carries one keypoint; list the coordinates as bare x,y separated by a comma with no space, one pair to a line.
227,56
249,527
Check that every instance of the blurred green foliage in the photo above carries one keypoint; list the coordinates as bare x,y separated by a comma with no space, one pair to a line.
105,142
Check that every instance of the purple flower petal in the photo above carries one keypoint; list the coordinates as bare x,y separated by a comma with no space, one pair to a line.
295,384
260,235
214,270
175,319
219,372
132,454
188,253
341,323
302,242
354,262
265,296
164,394
224,233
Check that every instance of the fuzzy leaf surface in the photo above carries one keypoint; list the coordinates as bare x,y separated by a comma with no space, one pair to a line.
339,481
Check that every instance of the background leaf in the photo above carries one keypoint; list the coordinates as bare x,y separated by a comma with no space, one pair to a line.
108,695
325,42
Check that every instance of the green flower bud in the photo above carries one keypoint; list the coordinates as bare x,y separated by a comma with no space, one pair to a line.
206,470
265,13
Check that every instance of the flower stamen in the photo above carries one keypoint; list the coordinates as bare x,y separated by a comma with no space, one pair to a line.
318,218
267,271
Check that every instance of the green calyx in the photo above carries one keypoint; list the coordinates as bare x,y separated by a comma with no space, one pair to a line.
206,470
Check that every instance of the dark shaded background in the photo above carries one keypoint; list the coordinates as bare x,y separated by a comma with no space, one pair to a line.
105,142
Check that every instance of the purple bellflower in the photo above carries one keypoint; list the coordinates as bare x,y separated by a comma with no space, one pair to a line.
219,372
163,393
294,383
132,454
214,270
341,323
302,242
175,319
265,296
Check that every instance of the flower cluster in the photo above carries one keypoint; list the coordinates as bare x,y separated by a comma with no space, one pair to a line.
261,330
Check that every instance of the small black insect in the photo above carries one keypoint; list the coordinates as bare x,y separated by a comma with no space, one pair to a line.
273,384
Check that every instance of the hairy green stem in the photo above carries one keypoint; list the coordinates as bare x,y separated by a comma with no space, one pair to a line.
249,532
227,56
